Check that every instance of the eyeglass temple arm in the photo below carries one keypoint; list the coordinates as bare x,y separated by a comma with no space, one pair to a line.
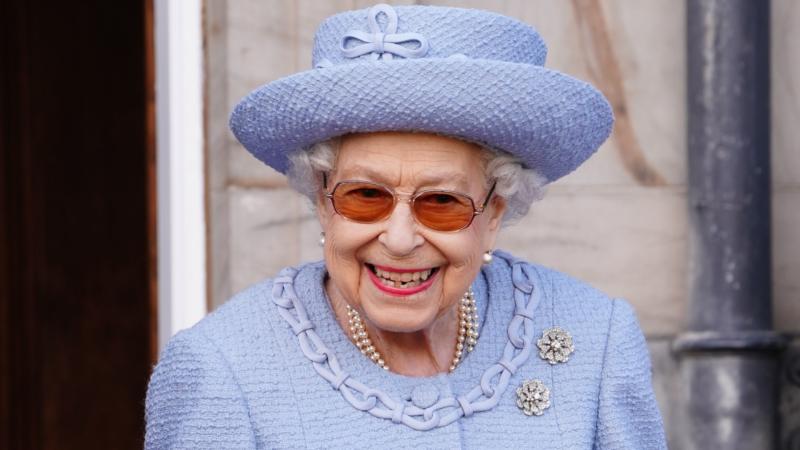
488,197
325,193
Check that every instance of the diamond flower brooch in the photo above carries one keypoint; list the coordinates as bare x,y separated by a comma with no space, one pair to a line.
533,397
555,346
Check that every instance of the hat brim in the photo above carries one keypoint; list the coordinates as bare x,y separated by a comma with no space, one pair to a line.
549,120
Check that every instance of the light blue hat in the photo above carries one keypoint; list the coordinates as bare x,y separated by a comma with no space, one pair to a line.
470,74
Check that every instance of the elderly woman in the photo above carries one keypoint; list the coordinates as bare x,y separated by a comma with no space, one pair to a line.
420,132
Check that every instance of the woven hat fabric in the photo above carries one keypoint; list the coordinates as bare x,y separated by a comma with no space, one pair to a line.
470,74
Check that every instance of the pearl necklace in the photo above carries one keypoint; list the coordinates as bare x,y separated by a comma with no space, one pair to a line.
466,340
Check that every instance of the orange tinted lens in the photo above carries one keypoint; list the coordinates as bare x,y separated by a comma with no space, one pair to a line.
443,211
362,202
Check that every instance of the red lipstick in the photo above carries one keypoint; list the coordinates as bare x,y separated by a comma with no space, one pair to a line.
400,291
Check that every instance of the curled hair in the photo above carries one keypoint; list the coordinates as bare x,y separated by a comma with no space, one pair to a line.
519,186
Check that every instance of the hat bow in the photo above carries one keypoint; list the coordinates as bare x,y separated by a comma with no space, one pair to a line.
384,44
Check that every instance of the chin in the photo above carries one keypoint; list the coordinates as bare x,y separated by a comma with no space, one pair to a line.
396,319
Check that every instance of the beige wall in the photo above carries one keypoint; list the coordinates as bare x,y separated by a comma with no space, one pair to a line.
785,112
619,222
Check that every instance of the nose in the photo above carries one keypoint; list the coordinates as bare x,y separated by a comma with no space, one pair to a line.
401,237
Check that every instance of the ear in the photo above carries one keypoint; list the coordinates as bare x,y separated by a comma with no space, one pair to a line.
495,211
497,207
323,213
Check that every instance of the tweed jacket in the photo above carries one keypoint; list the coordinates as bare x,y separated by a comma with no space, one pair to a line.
273,369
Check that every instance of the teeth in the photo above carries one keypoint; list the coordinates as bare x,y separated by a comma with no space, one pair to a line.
402,279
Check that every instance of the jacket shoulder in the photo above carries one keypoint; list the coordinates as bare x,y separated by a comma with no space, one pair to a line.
253,308
240,315
564,295
590,315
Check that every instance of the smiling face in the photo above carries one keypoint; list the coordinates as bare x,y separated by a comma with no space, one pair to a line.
401,274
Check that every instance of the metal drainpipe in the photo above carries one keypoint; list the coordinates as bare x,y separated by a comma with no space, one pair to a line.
728,357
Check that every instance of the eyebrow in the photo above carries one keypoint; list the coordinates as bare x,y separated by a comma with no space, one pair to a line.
457,179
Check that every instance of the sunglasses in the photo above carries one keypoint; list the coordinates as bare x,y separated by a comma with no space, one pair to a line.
440,210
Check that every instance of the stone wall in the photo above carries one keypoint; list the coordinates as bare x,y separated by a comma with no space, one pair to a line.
619,222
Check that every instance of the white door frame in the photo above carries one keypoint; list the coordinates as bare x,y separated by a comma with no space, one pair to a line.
181,216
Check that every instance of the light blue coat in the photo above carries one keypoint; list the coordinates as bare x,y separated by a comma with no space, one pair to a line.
242,377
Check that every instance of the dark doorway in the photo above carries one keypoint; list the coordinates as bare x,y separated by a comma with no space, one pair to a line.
76,223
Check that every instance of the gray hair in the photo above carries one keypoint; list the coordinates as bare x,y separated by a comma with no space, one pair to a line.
518,186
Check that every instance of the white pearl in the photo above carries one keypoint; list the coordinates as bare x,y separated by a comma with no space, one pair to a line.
487,257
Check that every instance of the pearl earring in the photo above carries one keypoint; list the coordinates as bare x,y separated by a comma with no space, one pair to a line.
487,257
322,239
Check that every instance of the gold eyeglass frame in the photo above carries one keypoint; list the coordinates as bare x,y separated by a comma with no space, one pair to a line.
410,201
